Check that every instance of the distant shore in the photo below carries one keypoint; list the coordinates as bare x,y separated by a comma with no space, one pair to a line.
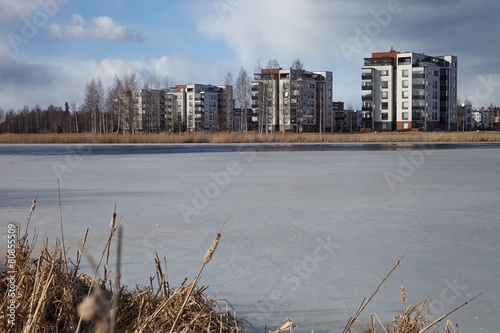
87,138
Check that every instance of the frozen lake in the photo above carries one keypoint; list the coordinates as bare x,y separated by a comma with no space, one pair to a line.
310,230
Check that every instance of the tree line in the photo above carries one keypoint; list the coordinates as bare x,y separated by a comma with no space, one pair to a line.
112,110
102,111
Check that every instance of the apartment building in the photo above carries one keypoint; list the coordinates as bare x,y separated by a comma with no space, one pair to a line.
292,100
407,91
149,115
207,107
192,107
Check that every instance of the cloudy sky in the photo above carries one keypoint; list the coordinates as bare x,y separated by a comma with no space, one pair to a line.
49,49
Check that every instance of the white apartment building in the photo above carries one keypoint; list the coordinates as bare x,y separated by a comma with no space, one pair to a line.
405,91
292,100
203,108
192,107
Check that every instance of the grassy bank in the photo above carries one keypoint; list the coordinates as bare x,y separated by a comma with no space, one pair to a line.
249,138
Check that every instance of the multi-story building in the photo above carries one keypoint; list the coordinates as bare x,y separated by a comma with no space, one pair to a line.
292,99
464,116
149,115
342,119
200,107
404,91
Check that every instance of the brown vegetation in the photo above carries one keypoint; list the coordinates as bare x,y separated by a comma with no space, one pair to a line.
216,138
54,296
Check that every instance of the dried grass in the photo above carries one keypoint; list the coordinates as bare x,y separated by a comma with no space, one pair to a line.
227,137
52,298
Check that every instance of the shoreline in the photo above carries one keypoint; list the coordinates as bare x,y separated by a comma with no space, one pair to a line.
253,138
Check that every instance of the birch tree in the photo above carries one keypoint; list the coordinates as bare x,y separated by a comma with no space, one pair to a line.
243,95
93,103
227,118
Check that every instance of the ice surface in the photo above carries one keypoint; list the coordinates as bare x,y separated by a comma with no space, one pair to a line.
308,234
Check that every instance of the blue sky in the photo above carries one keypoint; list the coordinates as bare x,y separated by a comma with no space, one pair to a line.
199,41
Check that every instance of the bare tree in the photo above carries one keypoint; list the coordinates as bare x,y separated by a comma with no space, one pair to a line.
227,121
300,93
243,95
92,103
297,64
115,102
273,64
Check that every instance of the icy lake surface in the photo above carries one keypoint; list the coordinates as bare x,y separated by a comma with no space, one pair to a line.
310,230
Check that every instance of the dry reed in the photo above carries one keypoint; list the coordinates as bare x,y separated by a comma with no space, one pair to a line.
52,297
226,137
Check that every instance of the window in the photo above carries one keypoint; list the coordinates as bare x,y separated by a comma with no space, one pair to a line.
385,116
385,94
435,73
404,115
385,106
385,84
405,83
384,73
404,105
434,84
405,94
405,73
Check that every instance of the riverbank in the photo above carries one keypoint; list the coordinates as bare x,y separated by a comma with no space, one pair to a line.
250,138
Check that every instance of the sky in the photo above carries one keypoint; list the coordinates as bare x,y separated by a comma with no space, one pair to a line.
50,49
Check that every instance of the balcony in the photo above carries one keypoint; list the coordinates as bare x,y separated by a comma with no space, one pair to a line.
367,87
366,76
367,97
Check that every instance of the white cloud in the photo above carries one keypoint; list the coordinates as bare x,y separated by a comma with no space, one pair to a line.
314,31
64,79
97,28
11,9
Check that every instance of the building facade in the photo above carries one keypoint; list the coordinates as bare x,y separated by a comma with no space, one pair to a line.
292,100
149,114
409,91
192,107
